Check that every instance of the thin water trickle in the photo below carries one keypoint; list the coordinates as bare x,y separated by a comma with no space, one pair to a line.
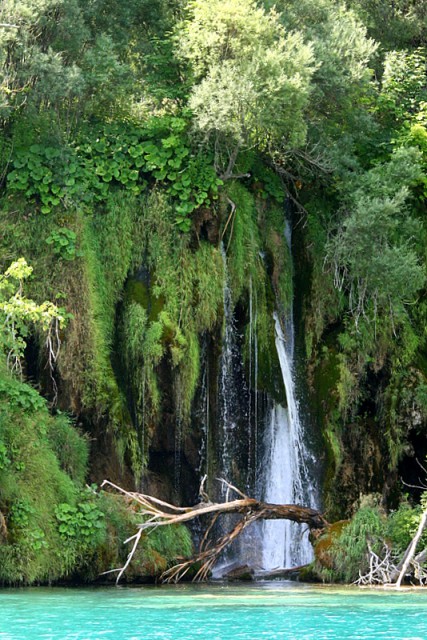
252,427
178,454
255,461
203,415
228,393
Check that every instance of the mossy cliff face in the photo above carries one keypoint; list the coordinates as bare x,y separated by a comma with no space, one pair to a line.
170,327
365,382
147,321
140,364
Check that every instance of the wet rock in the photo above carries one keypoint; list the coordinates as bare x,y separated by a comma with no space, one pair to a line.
243,572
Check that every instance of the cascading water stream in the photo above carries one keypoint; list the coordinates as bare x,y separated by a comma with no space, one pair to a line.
203,415
286,478
283,458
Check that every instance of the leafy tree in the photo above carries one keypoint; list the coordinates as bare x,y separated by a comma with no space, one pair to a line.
374,250
394,23
340,43
251,78
338,120
403,86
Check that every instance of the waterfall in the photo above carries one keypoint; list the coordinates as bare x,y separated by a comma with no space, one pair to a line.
286,478
234,438
281,455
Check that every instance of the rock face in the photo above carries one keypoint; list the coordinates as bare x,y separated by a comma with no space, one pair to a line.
244,573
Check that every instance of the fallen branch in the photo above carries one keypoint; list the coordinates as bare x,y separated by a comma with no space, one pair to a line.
159,513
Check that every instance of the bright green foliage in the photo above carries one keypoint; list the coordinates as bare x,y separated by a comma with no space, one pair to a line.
63,241
19,314
81,521
349,550
402,526
403,89
252,80
118,155
43,172
21,397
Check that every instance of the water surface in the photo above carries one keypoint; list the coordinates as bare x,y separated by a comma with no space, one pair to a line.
212,612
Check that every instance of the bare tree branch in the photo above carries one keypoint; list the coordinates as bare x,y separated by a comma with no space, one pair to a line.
159,513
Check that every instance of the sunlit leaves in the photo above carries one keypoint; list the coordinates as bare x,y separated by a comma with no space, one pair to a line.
19,313
252,80
116,156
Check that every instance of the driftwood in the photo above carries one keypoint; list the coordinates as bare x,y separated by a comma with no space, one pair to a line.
160,513
382,570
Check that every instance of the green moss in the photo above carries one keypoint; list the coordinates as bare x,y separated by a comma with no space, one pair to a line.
347,550
272,224
108,246
69,446
165,318
139,292
54,527
242,241
324,381
260,277
32,483
188,377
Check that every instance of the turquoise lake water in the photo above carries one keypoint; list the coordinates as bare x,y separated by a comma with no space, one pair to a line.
212,612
